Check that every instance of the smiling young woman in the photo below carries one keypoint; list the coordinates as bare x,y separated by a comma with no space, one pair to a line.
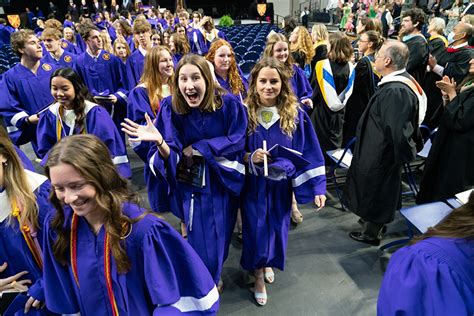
199,120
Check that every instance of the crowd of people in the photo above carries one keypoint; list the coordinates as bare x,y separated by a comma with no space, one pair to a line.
220,151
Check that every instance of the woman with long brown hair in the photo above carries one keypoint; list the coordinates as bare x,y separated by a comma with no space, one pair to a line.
104,254
435,274
23,207
202,128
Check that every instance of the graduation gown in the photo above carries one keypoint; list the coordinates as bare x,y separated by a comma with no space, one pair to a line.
327,123
224,83
266,202
448,169
134,68
104,75
300,84
15,251
385,140
97,122
209,212
365,84
433,93
457,64
418,57
435,277
166,276
66,60
22,94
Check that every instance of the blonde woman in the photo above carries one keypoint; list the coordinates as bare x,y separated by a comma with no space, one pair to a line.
24,205
121,49
154,85
320,37
301,47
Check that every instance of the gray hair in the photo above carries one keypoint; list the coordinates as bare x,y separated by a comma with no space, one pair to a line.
438,25
398,53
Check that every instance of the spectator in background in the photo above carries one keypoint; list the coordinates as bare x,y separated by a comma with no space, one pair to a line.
305,17
288,25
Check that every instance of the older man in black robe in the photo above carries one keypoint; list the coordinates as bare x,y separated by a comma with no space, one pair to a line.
387,137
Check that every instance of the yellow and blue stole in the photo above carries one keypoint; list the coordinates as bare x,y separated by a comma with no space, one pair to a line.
328,88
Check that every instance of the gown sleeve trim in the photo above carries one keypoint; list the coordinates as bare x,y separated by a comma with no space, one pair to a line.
190,303
119,159
234,165
17,117
308,175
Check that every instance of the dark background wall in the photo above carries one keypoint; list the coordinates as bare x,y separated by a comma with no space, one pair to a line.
236,8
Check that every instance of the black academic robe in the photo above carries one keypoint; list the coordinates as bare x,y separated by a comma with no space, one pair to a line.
328,124
418,60
449,168
457,65
365,83
433,93
320,53
385,141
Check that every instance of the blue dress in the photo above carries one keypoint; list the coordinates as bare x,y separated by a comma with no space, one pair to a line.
266,202
209,212
435,276
15,251
166,276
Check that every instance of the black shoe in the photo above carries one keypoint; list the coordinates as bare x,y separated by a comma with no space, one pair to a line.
361,237
361,222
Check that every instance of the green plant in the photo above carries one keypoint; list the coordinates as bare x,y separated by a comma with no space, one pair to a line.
226,20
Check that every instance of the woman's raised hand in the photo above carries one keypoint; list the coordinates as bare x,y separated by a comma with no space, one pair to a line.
142,133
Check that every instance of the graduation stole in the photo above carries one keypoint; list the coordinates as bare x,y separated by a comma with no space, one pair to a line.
29,234
441,37
416,88
107,262
59,124
328,88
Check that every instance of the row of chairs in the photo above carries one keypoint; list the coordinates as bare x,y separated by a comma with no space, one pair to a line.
419,217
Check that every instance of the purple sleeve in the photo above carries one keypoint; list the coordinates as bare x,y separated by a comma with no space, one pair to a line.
224,154
176,278
46,134
100,124
301,86
311,180
138,105
419,283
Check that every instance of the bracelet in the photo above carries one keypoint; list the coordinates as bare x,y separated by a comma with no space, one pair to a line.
162,141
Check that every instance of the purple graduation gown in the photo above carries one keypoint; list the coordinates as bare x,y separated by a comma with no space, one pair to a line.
15,251
197,42
105,75
22,94
134,68
300,84
224,83
97,122
266,202
435,276
70,47
209,212
66,60
166,276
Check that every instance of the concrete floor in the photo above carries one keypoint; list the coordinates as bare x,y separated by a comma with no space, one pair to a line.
326,272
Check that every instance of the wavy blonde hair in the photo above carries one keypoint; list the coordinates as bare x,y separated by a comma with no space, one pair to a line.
235,80
272,40
152,78
304,43
16,183
287,103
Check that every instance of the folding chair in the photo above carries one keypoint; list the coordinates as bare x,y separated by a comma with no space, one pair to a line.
421,217
340,160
